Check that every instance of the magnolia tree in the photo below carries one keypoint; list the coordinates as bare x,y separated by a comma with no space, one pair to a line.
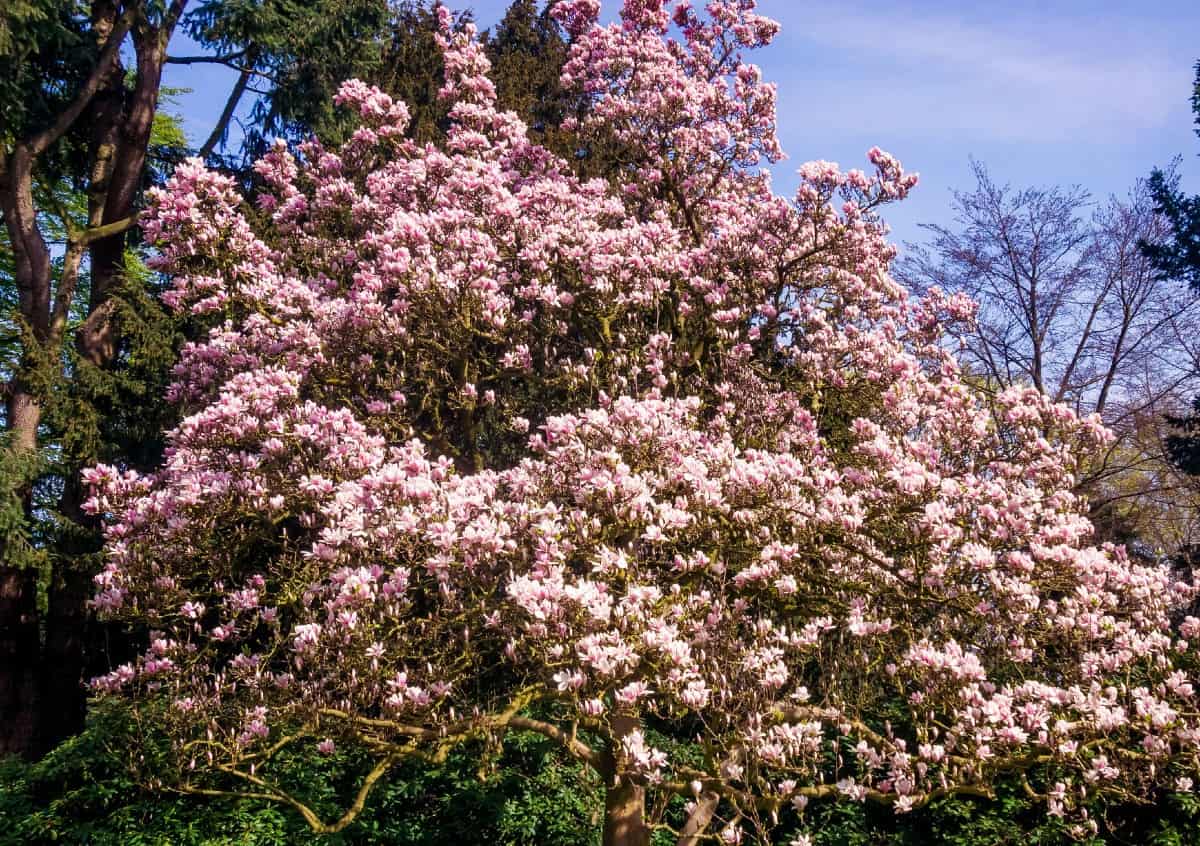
664,468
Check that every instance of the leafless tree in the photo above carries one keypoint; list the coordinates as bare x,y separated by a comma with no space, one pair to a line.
1068,304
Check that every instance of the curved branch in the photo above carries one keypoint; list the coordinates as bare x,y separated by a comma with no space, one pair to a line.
40,142
273,793
567,740
360,799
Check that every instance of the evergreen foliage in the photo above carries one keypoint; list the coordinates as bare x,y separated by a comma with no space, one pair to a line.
84,793
299,52
1179,257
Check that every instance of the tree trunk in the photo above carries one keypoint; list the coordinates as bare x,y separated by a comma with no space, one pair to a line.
62,700
19,624
93,338
20,633
24,415
69,631
625,815
127,140
18,660
624,801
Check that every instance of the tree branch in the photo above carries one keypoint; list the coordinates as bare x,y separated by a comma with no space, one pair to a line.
96,233
360,799
270,793
66,291
567,740
218,132
698,820
221,59
40,142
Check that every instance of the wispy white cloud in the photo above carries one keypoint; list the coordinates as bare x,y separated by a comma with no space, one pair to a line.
1013,77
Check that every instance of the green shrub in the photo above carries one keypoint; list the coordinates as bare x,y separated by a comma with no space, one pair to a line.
84,793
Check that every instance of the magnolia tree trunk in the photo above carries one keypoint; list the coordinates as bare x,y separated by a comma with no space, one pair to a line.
624,801
625,815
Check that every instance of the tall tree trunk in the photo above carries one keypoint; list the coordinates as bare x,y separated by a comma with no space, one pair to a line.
123,121
106,112
125,139
18,660
121,143
19,625
20,632
62,703
624,801
40,695
60,690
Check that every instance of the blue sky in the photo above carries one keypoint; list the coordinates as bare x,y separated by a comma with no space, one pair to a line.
1069,92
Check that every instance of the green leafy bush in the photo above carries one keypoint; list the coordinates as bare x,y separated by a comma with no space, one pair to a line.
84,793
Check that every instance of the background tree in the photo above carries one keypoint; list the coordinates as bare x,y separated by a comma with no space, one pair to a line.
78,132
1175,255
301,58
1068,304
291,57
1178,257
527,52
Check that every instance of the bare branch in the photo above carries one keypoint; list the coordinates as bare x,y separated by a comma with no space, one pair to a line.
222,126
567,740
220,59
